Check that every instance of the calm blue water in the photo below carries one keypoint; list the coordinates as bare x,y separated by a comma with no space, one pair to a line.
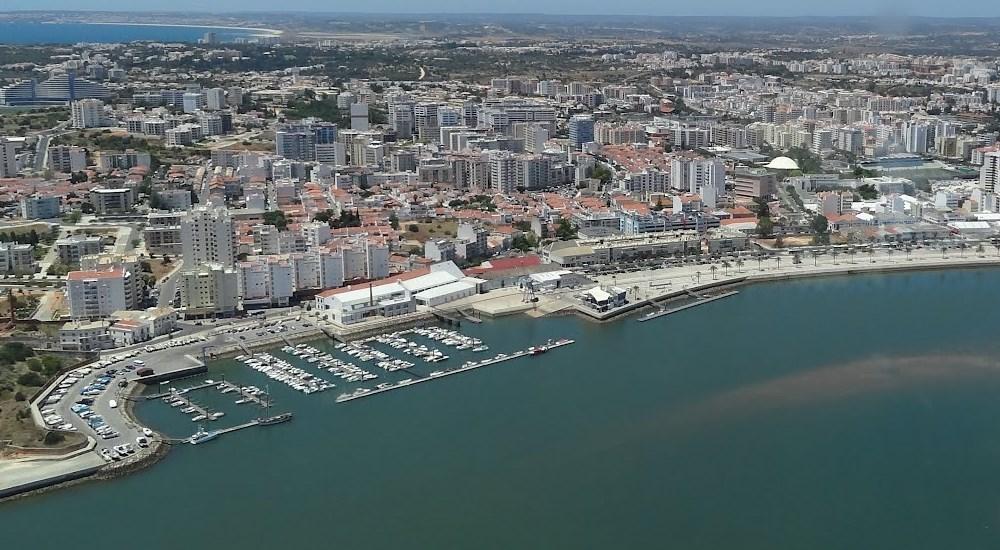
853,412
71,33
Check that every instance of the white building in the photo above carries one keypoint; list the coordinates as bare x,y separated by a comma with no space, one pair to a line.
208,290
66,158
112,201
688,174
8,158
107,161
442,284
207,236
215,99
71,250
266,281
87,113
36,207
85,336
193,101
17,259
989,174
98,294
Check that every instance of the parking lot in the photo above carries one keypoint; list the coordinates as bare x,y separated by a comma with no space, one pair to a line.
90,399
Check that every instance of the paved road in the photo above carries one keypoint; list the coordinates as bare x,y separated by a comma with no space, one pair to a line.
168,288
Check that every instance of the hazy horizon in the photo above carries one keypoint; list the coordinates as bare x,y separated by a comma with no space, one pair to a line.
717,8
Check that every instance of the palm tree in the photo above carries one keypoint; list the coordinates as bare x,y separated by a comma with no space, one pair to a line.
725,267
889,252
714,269
760,260
739,264
996,243
944,251
980,250
835,252
777,261
909,250
961,249
871,254
815,255
851,252
697,277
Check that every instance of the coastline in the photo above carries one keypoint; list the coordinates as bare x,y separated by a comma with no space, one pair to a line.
160,449
260,31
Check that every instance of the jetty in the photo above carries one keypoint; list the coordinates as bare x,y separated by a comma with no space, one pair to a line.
700,301
467,368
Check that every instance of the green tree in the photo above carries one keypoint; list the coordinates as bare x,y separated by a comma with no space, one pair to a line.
765,227
394,221
565,230
603,173
30,378
276,218
820,226
868,192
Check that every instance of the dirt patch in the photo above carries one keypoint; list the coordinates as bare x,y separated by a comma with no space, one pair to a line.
429,231
160,269
21,376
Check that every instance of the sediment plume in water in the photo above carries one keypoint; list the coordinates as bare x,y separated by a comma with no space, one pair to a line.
787,393
836,382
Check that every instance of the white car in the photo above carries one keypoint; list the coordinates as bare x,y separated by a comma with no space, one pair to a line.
113,404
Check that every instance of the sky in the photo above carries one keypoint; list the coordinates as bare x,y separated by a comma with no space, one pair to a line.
964,8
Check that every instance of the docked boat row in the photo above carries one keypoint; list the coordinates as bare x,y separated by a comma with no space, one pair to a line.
360,351
283,371
379,388
342,369
395,341
393,365
465,367
175,400
451,338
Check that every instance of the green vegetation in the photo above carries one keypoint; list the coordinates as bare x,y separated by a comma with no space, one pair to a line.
795,196
525,242
323,109
394,221
20,122
30,237
347,218
809,163
603,173
477,202
276,218
820,227
765,226
565,230
12,352
868,192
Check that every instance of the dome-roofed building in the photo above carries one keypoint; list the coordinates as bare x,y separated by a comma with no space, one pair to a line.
782,163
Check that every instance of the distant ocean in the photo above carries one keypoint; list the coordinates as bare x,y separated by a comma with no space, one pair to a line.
71,33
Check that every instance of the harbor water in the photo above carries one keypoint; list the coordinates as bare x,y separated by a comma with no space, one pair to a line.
849,412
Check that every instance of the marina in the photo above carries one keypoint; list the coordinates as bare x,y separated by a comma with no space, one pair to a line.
468,366
286,373
178,399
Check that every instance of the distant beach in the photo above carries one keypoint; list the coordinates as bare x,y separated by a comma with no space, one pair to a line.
260,30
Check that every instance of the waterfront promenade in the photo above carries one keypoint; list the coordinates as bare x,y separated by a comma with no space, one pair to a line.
656,283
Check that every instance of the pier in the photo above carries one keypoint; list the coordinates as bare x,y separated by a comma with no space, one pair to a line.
262,399
175,391
263,421
484,363
701,300
198,409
